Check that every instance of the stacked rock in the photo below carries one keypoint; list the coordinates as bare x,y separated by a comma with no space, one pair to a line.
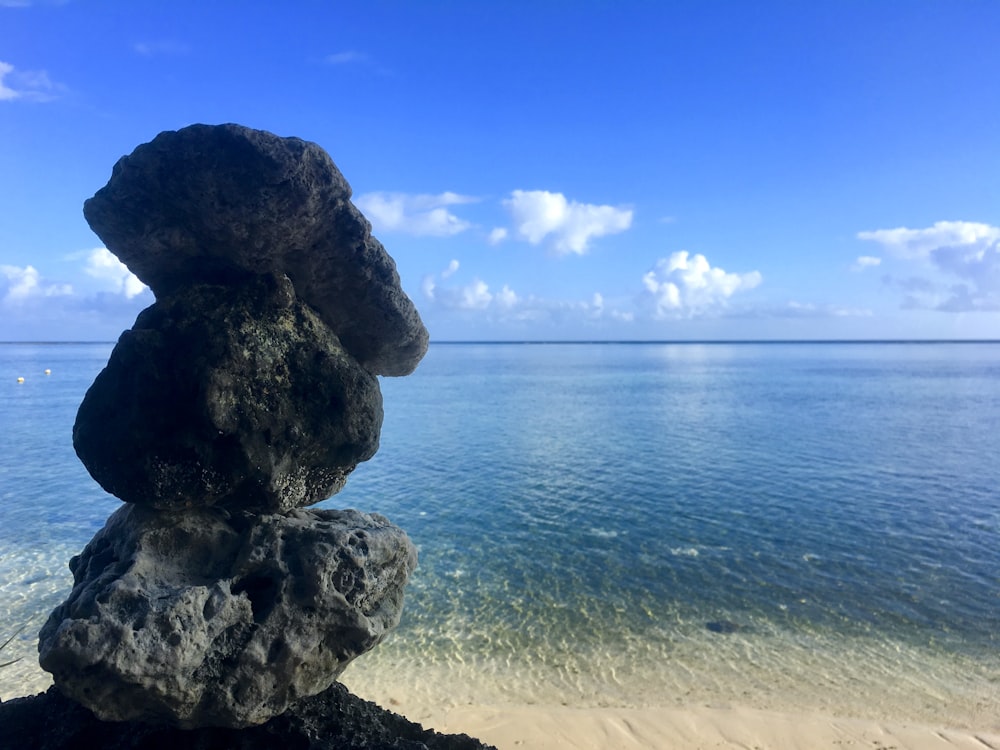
246,392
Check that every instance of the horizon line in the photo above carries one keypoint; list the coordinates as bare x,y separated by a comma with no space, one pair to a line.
629,342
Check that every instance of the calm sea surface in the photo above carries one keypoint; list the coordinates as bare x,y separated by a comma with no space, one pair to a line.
588,514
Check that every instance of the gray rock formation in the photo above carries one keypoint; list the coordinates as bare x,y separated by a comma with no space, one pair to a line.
214,204
247,391
237,396
205,619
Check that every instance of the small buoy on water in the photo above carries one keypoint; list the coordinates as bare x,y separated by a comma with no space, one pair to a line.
48,372
20,380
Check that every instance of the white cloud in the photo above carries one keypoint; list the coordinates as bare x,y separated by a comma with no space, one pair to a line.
570,226
477,299
497,235
866,261
426,215
26,283
507,307
963,258
597,309
474,296
685,285
505,297
103,265
429,284
911,244
26,85
624,317
5,92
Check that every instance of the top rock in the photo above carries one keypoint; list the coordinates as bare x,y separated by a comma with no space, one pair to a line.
218,204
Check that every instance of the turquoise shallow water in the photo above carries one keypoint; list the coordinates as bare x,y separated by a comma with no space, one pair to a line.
584,511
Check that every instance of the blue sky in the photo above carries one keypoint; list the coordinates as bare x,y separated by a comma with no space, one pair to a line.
547,170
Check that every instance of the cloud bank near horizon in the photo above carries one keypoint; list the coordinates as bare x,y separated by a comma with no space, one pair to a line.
955,265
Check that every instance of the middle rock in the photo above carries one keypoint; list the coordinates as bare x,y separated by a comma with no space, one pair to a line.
231,396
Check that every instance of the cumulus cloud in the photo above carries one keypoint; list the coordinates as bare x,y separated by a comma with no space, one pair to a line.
964,261
103,265
685,285
497,235
422,214
506,298
25,283
474,296
570,226
26,85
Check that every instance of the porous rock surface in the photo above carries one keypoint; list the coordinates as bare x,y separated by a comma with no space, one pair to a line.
204,618
214,204
238,396
333,720
248,391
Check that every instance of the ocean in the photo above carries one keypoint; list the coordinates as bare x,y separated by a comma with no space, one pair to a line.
787,526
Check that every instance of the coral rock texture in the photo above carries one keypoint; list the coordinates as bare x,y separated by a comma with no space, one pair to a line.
218,203
263,411
202,619
246,392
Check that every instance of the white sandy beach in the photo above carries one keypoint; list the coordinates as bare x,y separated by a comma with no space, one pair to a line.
690,728
898,718
691,725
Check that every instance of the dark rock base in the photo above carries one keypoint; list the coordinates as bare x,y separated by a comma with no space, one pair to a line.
333,720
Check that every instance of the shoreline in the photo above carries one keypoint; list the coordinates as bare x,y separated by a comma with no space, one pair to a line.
444,700
691,728
678,726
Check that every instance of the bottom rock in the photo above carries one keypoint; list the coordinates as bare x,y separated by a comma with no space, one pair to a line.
333,720
201,619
